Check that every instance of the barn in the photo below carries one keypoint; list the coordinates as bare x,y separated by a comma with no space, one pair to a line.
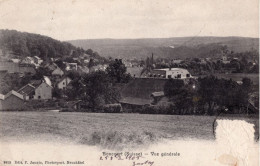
12,101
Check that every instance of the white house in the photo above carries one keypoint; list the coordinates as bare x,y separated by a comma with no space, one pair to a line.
43,91
171,73
63,83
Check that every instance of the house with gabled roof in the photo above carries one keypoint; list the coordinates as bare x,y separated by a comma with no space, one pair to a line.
37,89
63,82
12,101
27,91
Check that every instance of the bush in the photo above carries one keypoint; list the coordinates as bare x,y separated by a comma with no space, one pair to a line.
112,108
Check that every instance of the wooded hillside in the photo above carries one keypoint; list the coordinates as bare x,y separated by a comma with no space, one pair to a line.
22,44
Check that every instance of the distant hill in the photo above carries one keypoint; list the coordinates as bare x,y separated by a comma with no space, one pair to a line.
21,44
178,47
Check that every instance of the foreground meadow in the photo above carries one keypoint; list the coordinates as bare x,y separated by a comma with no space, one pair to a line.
106,130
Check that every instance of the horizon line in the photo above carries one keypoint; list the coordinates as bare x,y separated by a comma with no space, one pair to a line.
106,38
137,38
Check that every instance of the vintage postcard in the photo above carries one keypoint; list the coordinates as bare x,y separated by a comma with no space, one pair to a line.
129,83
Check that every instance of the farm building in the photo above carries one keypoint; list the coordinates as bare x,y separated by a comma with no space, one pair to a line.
171,73
38,90
11,101
137,93
63,83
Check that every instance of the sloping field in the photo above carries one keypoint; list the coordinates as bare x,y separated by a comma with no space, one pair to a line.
142,87
106,130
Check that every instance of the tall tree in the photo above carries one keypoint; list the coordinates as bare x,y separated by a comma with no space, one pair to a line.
117,71
208,91
97,90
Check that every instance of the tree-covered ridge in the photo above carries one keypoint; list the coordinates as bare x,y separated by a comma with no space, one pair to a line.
23,44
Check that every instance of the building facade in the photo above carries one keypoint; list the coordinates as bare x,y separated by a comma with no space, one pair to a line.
63,83
43,92
175,73
38,91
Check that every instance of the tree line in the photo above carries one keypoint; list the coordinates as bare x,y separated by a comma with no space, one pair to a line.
205,96
24,44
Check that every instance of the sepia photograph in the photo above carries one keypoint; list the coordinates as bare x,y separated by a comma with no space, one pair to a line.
129,83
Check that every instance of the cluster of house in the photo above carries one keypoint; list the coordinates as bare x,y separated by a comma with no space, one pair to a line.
35,90
34,60
14,100
38,89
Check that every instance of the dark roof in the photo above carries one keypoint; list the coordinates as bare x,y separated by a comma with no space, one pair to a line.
26,90
29,88
12,92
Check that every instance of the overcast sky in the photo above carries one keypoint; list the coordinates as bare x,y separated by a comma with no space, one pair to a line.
88,19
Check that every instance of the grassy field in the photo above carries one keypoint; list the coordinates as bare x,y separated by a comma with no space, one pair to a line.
105,130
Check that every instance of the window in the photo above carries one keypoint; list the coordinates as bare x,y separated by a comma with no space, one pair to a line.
63,83
187,75
39,97
169,76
